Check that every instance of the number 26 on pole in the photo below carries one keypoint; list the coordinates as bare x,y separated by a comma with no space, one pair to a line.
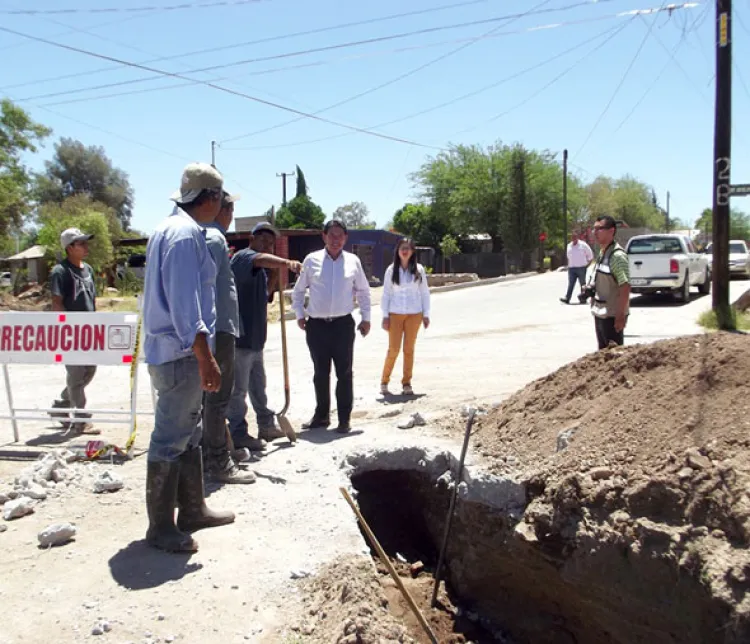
723,165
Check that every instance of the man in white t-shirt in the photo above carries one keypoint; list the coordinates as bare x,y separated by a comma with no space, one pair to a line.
580,256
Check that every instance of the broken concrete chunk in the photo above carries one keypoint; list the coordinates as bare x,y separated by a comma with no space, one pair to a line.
697,460
108,482
17,508
418,419
601,473
685,473
416,568
565,436
3,527
299,574
56,534
34,491
406,424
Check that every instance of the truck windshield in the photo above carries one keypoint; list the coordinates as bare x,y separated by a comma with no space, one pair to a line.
654,245
738,249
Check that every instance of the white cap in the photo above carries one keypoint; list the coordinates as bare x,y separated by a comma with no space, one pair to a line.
72,235
196,178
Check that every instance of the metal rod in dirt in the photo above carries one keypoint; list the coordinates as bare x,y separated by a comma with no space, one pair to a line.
387,562
451,508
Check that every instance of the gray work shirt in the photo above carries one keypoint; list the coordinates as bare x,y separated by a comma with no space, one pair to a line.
74,285
227,313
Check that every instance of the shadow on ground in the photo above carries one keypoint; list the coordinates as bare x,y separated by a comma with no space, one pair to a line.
138,566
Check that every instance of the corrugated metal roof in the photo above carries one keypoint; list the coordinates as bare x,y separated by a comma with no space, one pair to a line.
35,252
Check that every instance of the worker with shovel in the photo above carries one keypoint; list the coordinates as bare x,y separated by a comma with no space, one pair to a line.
254,291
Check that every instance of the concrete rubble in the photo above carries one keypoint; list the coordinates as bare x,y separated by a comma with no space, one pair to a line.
108,481
57,534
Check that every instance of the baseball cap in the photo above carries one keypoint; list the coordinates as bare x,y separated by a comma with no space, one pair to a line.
264,226
72,235
196,178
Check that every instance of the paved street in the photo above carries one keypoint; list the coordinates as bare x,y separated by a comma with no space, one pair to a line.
484,343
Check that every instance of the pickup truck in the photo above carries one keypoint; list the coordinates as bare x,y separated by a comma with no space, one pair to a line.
667,263
739,257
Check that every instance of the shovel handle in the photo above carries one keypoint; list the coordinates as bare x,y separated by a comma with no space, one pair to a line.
284,355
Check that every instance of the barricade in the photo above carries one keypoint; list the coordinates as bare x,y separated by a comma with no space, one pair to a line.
64,338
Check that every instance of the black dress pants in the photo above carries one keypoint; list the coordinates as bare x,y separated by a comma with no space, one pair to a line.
332,341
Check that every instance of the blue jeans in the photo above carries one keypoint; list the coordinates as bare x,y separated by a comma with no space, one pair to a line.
249,378
575,273
177,423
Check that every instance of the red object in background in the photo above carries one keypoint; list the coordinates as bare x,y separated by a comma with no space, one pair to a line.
543,237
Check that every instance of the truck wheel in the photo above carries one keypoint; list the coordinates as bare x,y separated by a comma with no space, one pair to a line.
705,288
683,293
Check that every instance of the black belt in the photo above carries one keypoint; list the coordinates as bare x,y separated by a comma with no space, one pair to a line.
340,317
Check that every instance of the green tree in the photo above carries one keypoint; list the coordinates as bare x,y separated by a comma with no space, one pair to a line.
425,225
81,204
739,223
626,199
355,215
302,190
79,170
91,221
19,135
300,212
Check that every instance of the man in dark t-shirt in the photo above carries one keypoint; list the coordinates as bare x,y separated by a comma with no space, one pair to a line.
73,289
254,292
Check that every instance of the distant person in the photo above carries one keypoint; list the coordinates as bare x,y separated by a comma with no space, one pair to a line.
580,256
179,320
335,278
255,291
73,289
220,464
610,303
405,306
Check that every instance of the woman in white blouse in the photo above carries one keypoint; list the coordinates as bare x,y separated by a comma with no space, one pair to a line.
405,306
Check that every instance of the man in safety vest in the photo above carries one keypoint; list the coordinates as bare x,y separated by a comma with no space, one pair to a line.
610,302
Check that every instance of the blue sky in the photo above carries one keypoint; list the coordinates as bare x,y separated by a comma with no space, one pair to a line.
155,129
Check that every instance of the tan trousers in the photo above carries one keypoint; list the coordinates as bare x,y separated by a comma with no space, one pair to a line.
406,327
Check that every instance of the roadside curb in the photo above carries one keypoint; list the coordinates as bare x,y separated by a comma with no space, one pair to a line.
484,282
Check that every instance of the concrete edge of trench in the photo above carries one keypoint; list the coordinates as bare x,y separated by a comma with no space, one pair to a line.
482,282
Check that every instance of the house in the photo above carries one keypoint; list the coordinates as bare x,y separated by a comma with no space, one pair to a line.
33,261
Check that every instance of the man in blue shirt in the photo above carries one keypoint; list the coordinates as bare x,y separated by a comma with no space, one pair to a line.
179,318
254,292
219,462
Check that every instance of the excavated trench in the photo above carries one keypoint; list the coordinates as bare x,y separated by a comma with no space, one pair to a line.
556,585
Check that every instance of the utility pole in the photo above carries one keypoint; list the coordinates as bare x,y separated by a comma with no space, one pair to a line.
667,213
213,153
283,176
722,164
565,206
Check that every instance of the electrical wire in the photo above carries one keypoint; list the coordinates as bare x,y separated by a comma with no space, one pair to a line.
621,83
669,61
126,9
334,60
367,41
450,102
274,39
392,81
219,88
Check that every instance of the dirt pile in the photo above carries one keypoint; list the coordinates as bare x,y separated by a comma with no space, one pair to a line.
346,604
35,298
612,504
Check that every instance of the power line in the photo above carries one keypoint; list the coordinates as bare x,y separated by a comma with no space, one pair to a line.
669,61
219,88
304,52
126,9
333,60
621,83
274,39
392,81
454,100
558,77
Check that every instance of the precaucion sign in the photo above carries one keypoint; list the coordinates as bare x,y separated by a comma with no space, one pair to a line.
67,338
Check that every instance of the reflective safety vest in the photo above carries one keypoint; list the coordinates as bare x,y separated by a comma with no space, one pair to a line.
606,288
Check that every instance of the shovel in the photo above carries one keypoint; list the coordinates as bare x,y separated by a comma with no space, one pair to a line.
284,422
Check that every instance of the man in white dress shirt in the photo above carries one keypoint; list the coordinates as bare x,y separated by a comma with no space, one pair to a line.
334,278
579,257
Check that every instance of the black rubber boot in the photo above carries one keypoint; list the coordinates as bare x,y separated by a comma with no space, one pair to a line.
161,500
194,514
